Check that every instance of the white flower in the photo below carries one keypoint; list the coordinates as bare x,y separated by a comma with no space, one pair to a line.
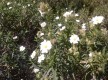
10,7
22,48
24,6
43,24
57,18
77,14
67,14
77,20
33,54
90,54
28,5
45,46
83,26
15,37
41,58
8,3
74,39
35,70
41,34
97,19
60,25
61,29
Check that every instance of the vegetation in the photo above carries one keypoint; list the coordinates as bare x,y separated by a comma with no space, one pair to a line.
53,40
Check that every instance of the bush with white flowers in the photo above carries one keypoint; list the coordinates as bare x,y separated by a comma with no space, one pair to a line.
54,40
71,47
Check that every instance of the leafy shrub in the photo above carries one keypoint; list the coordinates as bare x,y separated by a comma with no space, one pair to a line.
53,40
17,20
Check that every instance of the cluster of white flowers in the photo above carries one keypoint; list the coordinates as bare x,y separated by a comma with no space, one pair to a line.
97,20
74,39
45,46
40,58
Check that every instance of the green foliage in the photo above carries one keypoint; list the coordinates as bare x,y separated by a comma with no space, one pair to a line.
17,19
21,25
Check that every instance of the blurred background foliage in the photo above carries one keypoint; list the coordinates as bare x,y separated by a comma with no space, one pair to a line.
20,19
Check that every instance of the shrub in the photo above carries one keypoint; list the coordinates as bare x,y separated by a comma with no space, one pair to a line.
60,40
